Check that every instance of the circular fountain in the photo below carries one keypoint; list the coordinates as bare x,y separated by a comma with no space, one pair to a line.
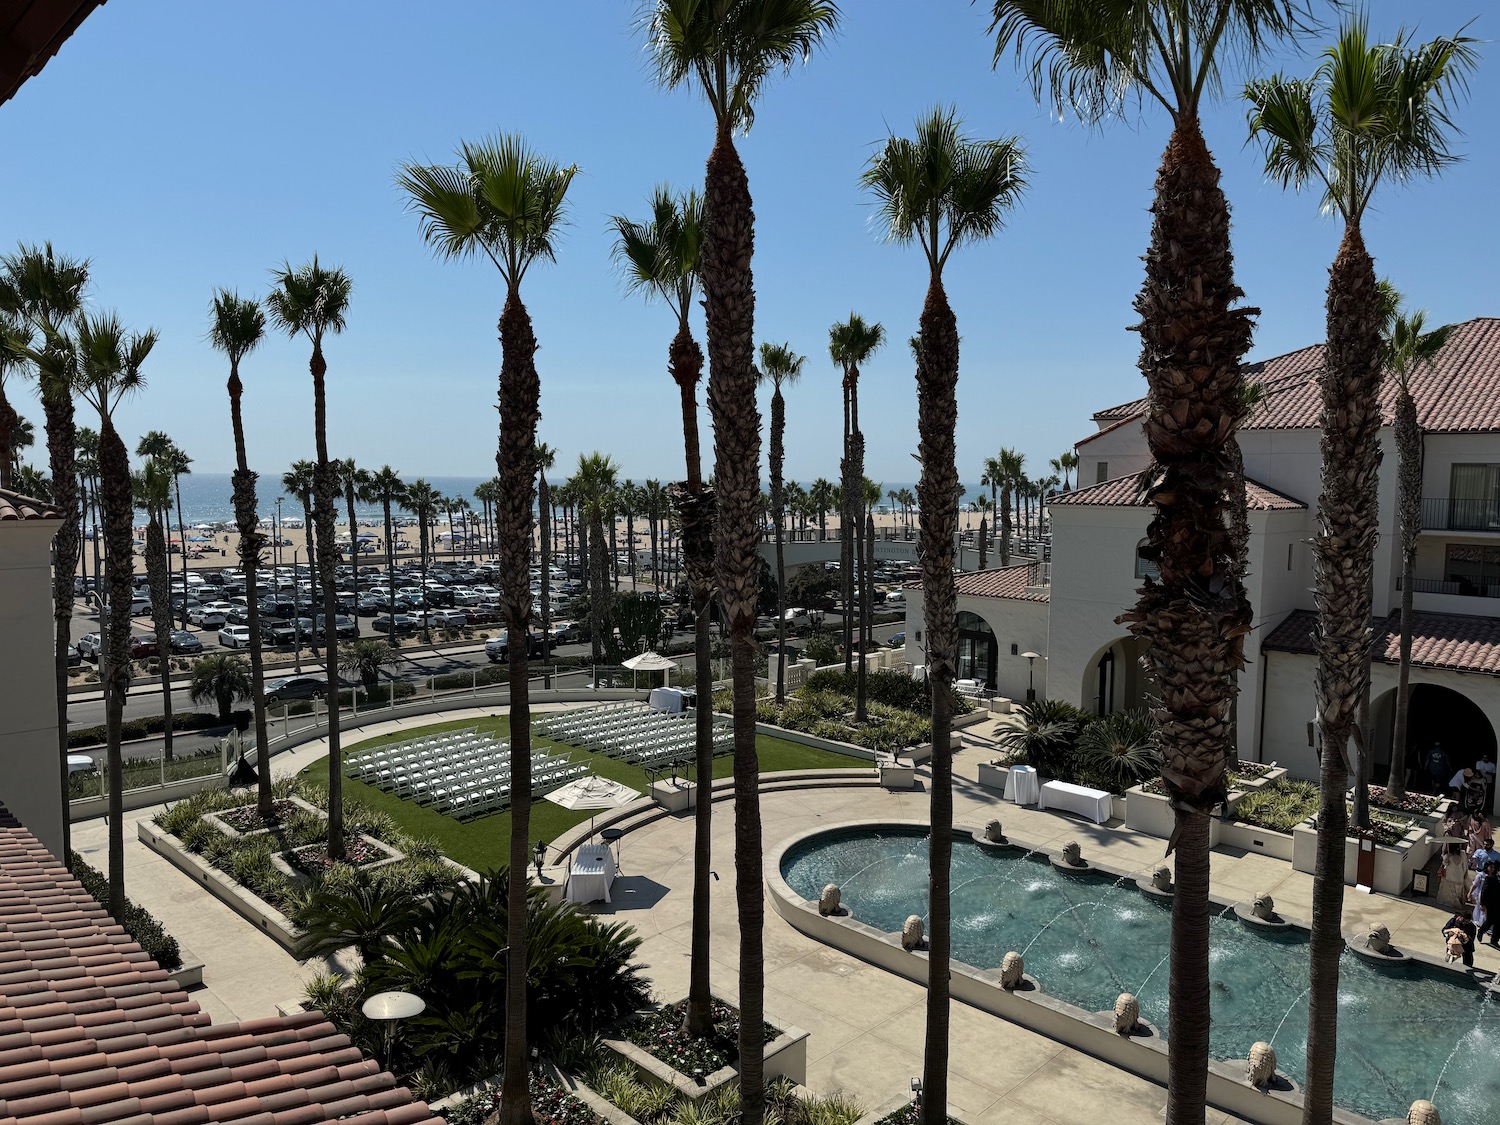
1158,883
1374,944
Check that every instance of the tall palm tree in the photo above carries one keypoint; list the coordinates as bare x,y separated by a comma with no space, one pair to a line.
301,481
487,492
353,481
1068,464
312,302
504,202
941,190
86,464
909,504
422,501
44,291
993,475
781,367
386,488
596,482
729,49
821,494
159,447
237,325
660,258
546,457
1370,113
1408,347
1090,58
152,490
15,338
109,369
653,501
1012,478
851,343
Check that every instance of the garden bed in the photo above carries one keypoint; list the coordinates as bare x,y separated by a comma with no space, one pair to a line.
244,821
1395,861
551,1104
1148,810
362,852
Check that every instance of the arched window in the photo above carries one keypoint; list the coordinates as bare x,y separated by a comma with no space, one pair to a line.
978,650
1144,567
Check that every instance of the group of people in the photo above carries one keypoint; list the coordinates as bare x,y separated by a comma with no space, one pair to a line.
1473,787
1481,915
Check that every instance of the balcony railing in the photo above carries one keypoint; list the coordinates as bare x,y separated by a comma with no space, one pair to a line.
1443,514
1462,588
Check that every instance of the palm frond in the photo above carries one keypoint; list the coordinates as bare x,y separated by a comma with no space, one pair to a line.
1282,116
443,199
779,365
236,324
309,300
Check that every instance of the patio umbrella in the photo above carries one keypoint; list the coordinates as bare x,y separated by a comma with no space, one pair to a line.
593,793
651,662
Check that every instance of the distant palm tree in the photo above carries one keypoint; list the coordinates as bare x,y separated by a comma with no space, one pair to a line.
546,457
152,488
45,292
487,493
654,502
1371,112
781,367
300,481
354,481
851,343
985,507
220,678
160,447
313,302
31,481
1069,463
504,202
821,494
941,190
15,338
1012,465
386,489
86,464
422,501
596,481
109,370
237,325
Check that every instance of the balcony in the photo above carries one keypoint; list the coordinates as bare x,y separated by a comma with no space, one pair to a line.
1463,589
1443,514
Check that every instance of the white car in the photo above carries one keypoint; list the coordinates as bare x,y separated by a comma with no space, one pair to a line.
207,617
896,597
235,636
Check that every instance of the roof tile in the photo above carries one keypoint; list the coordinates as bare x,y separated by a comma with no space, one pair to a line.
1012,582
14,506
1453,641
1125,492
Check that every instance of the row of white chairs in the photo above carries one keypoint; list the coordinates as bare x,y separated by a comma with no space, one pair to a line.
423,749
633,732
463,799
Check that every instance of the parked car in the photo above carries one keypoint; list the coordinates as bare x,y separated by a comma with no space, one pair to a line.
275,631
142,646
184,643
296,687
498,648
571,633
209,616
342,626
74,660
897,640
449,618
896,597
401,623
483,614
235,636
372,607
89,646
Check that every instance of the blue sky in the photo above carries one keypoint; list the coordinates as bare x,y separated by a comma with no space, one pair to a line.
185,145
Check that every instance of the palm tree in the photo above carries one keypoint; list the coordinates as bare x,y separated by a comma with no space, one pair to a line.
109,369
14,340
1089,58
1408,347
31,481
653,502
1012,478
354,481
821,494
160,447
220,678
985,507
1371,112
781,367
506,203
386,489
236,327
909,504
729,49
421,500
546,458
300,481
44,292
86,465
152,487
365,658
1067,464
851,343
596,484
311,302
941,190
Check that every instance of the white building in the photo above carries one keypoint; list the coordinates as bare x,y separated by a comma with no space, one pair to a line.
1096,530
30,783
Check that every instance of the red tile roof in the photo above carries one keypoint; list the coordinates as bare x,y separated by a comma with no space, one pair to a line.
14,506
92,1032
1125,492
1459,392
1454,641
1002,582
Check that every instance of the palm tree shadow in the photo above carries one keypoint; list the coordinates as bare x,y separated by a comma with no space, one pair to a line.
630,892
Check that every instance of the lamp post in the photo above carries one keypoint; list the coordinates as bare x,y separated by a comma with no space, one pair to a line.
277,543
1031,659
387,1008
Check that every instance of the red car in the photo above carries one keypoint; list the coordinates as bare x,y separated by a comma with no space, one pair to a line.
142,647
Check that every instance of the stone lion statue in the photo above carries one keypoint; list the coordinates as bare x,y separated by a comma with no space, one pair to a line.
1264,907
828,901
1261,1067
1127,1014
1012,968
1072,854
994,833
1423,1112
1161,877
911,933
1378,939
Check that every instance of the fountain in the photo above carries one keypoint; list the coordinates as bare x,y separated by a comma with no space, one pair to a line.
829,900
1012,971
1127,1014
911,933
1158,883
1260,1068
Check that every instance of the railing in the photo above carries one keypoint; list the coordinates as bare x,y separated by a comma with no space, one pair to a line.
1445,514
1460,588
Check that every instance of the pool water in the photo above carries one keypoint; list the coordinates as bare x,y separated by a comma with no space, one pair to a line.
1405,1032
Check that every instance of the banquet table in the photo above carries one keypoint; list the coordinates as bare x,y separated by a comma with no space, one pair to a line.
1095,804
1022,785
592,873
666,699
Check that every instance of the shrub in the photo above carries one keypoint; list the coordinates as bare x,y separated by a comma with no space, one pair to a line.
1280,806
144,727
1117,750
1048,738
895,689
139,923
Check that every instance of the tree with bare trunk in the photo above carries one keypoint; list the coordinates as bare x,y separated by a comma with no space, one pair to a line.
941,190
781,367
152,489
1370,113
504,202
851,343
387,489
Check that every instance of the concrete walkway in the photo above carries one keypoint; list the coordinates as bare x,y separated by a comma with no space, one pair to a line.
866,1024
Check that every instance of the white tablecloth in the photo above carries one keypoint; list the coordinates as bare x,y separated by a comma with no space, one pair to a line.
1022,786
666,699
593,872
970,687
1095,804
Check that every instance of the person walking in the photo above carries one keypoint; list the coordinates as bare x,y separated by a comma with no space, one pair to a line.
1439,768
1486,905
1458,935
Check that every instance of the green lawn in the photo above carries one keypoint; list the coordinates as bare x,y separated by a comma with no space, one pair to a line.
480,843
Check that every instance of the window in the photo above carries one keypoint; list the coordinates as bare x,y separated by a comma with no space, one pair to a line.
1144,567
1475,568
1102,473
1474,503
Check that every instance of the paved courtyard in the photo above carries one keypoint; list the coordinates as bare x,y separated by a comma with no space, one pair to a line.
866,1024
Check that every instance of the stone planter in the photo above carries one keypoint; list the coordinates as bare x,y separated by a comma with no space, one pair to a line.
1394,863
898,777
993,776
785,1057
891,1105
218,821
1151,813
1255,839
674,796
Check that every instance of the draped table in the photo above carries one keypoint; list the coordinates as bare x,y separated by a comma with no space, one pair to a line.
1022,786
1095,804
592,873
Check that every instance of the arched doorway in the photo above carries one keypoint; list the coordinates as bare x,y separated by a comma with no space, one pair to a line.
1436,716
1114,679
978,649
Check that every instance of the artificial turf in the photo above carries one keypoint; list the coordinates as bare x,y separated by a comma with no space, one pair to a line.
480,843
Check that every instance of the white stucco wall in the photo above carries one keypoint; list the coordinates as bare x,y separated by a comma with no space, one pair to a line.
29,769
1018,623
1123,450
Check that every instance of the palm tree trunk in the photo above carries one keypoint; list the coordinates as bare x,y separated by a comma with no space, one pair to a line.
325,483
181,545
161,615
1409,513
937,413
1195,617
846,523
778,510
57,409
598,581
313,538
544,507
520,393
729,302
353,558
1343,558
1005,525
869,598
8,420
114,474
250,545
984,532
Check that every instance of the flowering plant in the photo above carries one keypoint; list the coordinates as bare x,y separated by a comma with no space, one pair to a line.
313,858
1420,803
661,1035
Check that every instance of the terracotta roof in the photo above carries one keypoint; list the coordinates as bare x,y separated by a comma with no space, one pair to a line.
1002,582
1459,392
1124,492
93,1032
1115,425
14,506
31,32
1454,641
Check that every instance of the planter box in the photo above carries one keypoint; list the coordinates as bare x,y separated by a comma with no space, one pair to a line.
218,821
189,974
1394,863
993,777
1254,838
1151,813
674,796
785,1057
1000,706
898,777
891,1105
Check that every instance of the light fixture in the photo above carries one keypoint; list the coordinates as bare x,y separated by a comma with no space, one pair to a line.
1031,659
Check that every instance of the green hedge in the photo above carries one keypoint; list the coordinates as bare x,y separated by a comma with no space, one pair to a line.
894,689
139,923
143,728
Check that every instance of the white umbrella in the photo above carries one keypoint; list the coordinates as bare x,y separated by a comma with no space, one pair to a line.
593,793
650,662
